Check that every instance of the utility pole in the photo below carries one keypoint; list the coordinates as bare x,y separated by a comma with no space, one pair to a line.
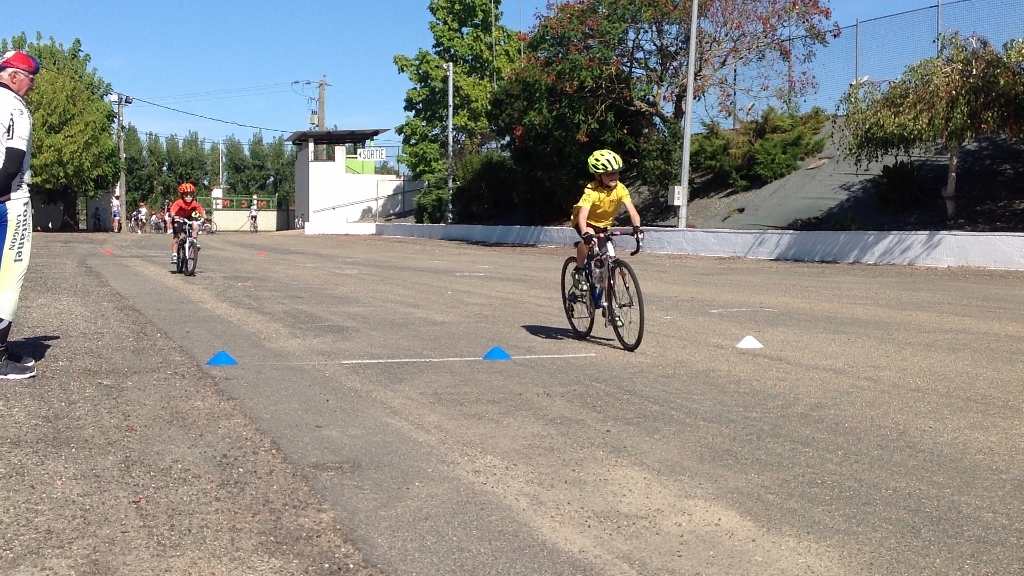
450,68
321,116
321,105
688,119
121,100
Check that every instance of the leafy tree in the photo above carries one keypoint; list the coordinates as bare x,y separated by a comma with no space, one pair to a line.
73,147
135,168
386,168
468,34
612,74
192,165
158,184
213,163
281,165
236,165
968,90
258,176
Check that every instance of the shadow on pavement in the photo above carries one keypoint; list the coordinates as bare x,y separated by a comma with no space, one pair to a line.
34,347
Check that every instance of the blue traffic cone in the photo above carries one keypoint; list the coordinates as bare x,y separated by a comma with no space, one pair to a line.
221,358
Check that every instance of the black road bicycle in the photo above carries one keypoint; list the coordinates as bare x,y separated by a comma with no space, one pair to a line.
188,248
612,288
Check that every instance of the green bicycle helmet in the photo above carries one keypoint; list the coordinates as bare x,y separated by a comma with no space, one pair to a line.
604,161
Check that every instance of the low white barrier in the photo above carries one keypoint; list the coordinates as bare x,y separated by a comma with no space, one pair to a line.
971,249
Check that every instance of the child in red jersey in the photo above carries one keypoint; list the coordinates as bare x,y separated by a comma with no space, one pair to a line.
184,207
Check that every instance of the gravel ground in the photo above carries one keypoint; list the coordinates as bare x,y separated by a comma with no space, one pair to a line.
123,457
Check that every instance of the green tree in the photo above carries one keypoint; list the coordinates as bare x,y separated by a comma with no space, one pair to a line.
386,168
612,74
970,89
73,147
258,175
158,183
281,163
192,165
466,33
236,166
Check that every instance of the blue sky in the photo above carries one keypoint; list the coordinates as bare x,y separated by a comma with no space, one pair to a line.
236,61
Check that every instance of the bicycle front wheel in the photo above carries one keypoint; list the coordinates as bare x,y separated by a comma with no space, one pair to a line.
180,267
191,257
579,309
626,301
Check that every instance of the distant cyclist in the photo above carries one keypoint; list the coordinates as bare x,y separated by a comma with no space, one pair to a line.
254,215
188,208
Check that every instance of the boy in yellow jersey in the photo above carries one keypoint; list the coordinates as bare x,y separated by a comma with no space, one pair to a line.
596,211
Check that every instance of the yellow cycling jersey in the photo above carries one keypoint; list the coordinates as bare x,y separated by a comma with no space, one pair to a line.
604,204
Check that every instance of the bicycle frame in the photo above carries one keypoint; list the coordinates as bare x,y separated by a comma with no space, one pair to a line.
599,262
188,244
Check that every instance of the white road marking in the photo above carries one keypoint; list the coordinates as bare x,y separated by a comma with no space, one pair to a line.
743,310
408,360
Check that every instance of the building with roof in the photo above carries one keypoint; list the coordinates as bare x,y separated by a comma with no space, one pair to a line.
332,190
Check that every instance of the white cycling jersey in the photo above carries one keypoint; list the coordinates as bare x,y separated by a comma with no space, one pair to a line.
15,129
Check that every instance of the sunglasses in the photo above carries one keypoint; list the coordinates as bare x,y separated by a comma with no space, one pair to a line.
31,77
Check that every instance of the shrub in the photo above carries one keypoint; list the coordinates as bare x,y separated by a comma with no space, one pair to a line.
431,206
487,190
899,187
760,151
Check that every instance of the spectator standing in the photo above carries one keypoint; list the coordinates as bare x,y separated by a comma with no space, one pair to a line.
115,212
17,78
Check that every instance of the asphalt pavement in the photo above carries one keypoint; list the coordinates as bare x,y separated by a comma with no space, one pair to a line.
877,431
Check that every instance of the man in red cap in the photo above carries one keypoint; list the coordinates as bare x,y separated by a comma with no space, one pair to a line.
17,78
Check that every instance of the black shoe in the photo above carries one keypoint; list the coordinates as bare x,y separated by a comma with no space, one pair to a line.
13,371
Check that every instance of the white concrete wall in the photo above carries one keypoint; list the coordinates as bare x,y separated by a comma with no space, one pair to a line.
979,250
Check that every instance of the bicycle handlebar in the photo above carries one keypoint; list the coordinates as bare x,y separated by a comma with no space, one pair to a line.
639,243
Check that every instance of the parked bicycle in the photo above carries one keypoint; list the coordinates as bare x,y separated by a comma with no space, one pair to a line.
612,288
208,226
188,248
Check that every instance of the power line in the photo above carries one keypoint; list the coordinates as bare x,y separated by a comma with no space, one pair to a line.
190,99
224,91
212,119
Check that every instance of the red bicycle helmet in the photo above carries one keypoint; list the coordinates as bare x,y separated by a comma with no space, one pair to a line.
187,188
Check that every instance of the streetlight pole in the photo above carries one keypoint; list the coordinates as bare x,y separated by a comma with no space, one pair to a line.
688,119
450,68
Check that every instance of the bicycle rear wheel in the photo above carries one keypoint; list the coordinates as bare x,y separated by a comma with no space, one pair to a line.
627,302
579,309
192,255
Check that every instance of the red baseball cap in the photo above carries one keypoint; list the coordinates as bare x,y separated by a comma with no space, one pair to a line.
19,61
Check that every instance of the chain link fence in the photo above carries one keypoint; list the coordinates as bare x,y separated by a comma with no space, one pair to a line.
881,48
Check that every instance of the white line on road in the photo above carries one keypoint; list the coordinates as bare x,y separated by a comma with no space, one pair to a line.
743,310
401,360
